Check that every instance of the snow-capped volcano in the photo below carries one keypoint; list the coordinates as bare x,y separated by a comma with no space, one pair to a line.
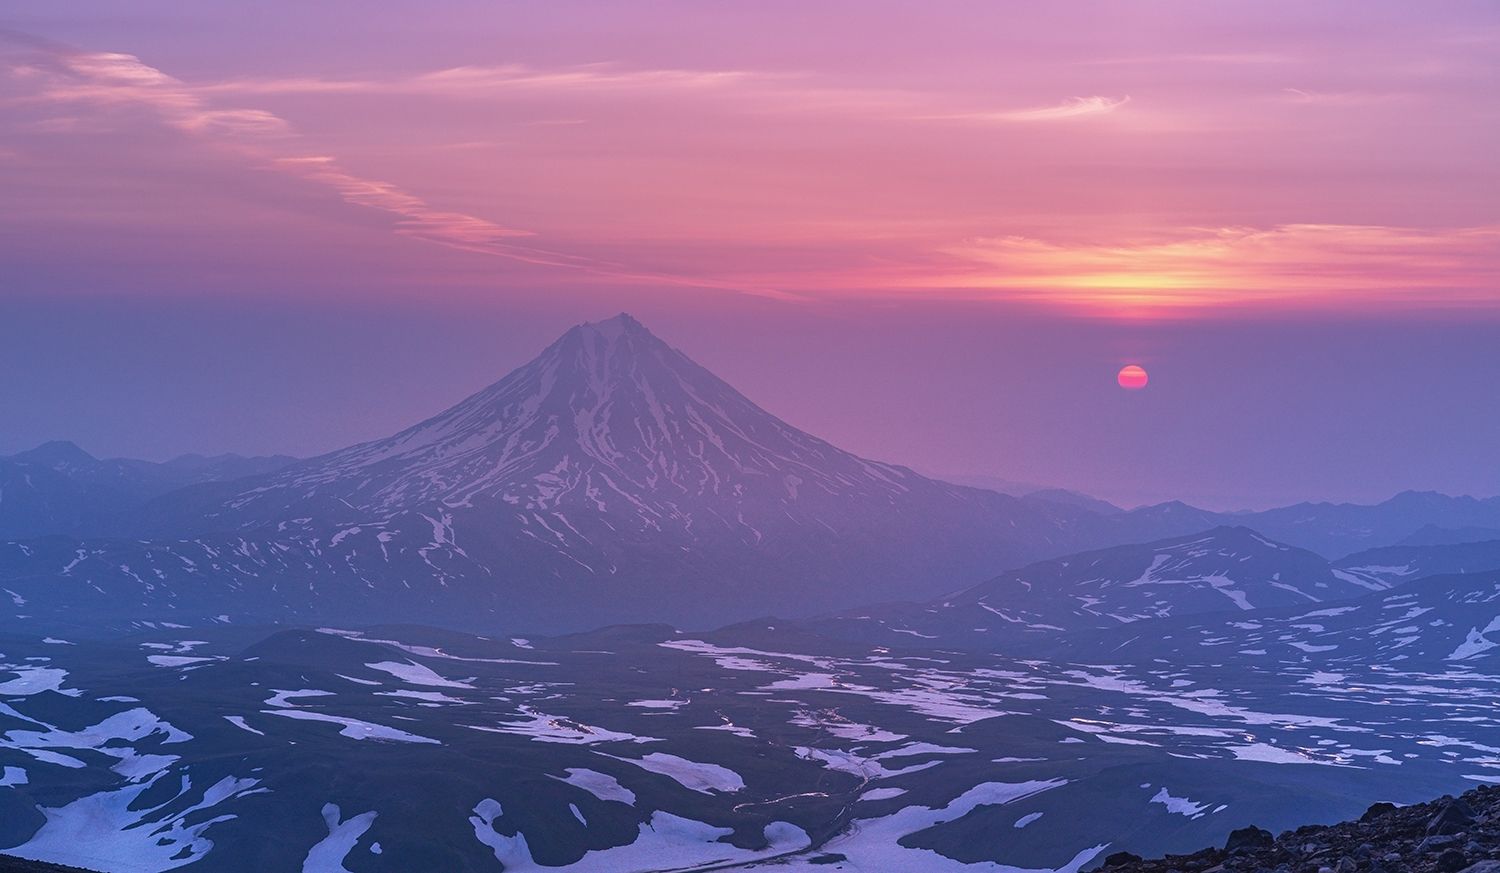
607,419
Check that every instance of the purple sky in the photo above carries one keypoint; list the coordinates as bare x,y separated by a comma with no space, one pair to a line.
932,237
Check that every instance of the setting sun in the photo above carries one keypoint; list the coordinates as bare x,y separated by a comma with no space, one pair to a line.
1132,377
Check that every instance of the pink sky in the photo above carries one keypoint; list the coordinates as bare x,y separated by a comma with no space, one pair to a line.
1127,159
931,233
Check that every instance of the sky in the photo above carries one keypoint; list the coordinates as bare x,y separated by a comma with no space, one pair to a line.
930,234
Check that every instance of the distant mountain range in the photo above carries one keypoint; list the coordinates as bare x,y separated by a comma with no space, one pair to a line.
610,479
1338,529
1416,518
58,488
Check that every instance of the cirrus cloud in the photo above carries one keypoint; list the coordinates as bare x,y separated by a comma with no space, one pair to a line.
1073,107
60,75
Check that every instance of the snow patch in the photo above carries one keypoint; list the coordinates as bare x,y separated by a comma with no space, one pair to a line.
328,855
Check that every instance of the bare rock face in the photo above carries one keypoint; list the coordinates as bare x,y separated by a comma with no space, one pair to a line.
1453,817
1248,840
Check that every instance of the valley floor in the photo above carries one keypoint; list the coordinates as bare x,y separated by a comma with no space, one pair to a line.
642,749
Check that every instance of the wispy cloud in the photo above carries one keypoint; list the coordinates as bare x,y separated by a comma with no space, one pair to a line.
62,75
752,90
1335,98
1073,107
114,79
53,75
415,217
481,81
1194,58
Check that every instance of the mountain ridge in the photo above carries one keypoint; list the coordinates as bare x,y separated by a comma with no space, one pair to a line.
58,488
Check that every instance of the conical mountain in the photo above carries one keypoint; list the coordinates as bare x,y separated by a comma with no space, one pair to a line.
607,419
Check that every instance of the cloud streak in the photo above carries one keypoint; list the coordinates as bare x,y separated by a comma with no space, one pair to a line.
1072,108
481,81
62,75
754,90
113,80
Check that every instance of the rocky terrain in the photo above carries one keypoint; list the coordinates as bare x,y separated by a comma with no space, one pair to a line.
21,865
1448,835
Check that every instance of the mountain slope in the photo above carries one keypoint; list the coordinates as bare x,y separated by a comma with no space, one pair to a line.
1438,622
1227,569
1397,564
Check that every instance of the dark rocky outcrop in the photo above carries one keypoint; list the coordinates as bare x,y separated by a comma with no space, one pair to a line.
1447,835
10,864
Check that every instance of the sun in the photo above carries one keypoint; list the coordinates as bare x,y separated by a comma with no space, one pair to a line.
1132,377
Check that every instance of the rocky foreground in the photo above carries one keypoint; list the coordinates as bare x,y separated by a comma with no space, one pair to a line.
9,864
1448,835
